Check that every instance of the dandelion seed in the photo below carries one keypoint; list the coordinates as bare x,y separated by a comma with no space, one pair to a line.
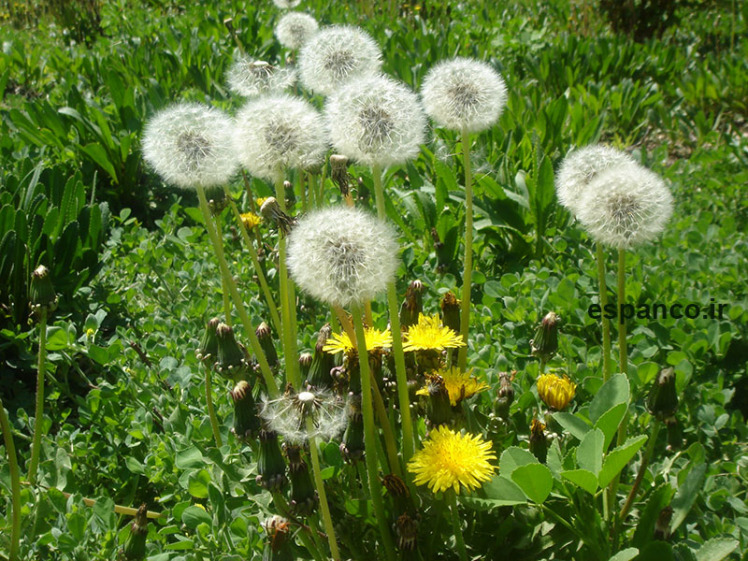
295,28
277,132
342,255
250,78
190,145
287,415
376,121
336,55
464,94
580,167
625,206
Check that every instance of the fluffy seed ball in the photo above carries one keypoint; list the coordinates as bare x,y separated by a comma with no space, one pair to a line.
463,93
625,206
295,28
278,132
190,145
376,121
286,4
335,55
580,167
250,78
342,255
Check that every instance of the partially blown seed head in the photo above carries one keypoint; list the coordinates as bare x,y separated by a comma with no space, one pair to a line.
250,78
189,145
295,28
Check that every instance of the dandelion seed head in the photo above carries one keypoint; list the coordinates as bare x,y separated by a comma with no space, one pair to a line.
287,415
376,121
249,78
625,206
580,167
295,28
342,256
286,4
190,145
279,131
336,55
464,93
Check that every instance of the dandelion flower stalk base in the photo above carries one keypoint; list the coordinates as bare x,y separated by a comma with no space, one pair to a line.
15,485
211,409
39,408
320,485
467,278
451,497
600,254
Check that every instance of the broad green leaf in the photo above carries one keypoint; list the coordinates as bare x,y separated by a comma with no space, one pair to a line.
618,458
189,458
57,338
609,422
576,426
716,549
514,457
625,555
590,451
656,551
500,491
100,157
657,500
686,495
198,484
535,480
614,391
195,515
646,372
582,478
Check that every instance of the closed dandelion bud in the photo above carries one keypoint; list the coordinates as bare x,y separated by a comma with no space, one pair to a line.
505,395
538,441
272,211
555,391
278,546
674,434
406,529
545,343
265,337
439,409
451,312
322,362
134,549
208,350
42,292
352,447
662,525
232,357
412,305
398,490
246,421
305,362
339,174
271,466
663,399
304,498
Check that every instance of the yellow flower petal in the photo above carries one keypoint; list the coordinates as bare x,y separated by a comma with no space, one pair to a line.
430,334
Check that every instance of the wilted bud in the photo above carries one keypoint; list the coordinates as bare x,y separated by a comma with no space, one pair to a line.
304,498
43,296
451,312
545,343
663,399
439,408
406,529
412,305
322,362
271,466
505,395
555,391
305,363
279,534
538,442
339,173
208,350
246,421
662,525
265,337
271,210
399,492
232,358
134,549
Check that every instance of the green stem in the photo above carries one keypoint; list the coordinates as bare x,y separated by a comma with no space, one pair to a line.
15,485
603,303
642,470
224,287
41,372
467,277
451,497
267,373
211,410
325,507
256,264
289,328
621,320
401,376
384,422
302,189
370,435
306,535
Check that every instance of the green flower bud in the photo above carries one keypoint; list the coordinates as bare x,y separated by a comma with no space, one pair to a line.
663,399
278,547
412,305
271,466
322,362
352,447
42,292
305,362
505,395
246,421
451,312
439,409
304,498
545,343
406,529
232,357
208,350
134,549
265,337
538,441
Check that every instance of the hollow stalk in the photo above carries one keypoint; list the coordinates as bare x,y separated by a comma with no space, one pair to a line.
467,277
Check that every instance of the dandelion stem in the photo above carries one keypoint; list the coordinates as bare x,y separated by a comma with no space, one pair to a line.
603,303
317,472
267,373
15,485
370,435
39,409
384,422
403,397
211,410
224,288
621,320
306,535
302,192
256,264
467,277
289,328
451,497
642,470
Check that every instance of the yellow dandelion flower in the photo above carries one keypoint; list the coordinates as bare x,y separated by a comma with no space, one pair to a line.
375,340
450,459
555,391
461,385
260,201
430,334
250,220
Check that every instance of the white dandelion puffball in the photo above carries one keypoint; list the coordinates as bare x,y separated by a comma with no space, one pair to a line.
336,55
376,121
190,145
625,206
580,167
250,78
295,28
464,94
342,255
286,4
277,132
287,415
